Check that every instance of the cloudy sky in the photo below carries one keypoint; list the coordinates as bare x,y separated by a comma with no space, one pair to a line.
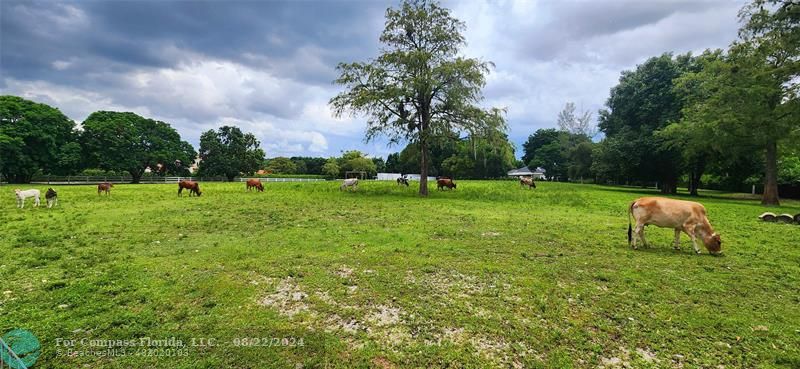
267,66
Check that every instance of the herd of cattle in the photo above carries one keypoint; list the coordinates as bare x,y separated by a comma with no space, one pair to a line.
682,216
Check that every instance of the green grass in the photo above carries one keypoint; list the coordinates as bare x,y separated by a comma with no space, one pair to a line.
488,275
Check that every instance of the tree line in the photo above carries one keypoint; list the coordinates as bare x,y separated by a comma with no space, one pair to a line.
725,118
37,139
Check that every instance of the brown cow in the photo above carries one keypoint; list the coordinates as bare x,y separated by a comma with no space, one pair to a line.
104,187
527,181
192,186
687,216
255,183
445,182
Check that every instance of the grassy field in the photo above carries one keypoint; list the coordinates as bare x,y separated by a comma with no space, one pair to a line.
302,275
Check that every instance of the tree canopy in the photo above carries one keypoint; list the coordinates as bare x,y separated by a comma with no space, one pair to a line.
229,152
34,138
131,143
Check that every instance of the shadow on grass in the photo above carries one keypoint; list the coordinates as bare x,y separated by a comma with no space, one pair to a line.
669,250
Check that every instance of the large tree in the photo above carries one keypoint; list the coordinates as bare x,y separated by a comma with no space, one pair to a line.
34,138
128,142
643,102
356,161
745,101
564,155
765,72
419,87
538,139
693,134
229,152
281,165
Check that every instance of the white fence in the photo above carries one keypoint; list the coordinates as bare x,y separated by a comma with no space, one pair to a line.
69,180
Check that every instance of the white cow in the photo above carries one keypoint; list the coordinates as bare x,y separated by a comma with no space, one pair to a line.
22,195
348,183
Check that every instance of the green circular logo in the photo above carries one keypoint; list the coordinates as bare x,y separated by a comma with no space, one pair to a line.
24,346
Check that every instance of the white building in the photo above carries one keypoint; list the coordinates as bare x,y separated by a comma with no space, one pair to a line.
388,176
539,173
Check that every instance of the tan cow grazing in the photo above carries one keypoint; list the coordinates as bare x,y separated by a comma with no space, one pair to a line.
687,216
255,183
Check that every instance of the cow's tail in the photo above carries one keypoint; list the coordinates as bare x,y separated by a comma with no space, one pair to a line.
630,229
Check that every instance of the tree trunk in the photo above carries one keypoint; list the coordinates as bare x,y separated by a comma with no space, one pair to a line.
423,168
669,186
136,176
770,196
694,177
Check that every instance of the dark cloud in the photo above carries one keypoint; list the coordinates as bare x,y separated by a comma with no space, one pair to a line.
268,65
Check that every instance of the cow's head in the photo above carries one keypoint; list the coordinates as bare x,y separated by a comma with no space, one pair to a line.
454,185
714,243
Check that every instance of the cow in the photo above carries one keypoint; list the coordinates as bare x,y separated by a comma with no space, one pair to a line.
402,181
255,183
348,183
104,187
445,182
192,186
687,216
52,198
22,195
527,181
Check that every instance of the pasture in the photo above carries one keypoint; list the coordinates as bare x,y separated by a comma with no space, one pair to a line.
305,275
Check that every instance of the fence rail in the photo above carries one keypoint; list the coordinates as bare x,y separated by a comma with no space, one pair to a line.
69,180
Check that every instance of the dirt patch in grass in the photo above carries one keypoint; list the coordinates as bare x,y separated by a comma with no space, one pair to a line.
344,271
288,298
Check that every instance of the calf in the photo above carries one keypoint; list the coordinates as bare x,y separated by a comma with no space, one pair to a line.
104,187
255,183
527,181
52,197
22,195
192,186
348,183
687,216
402,181
445,182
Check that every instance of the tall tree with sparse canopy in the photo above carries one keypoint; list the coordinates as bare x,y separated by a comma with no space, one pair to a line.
419,88
580,123
228,152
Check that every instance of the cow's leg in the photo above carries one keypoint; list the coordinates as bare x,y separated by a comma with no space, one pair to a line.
677,245
639,231
638,235
36,201
689,229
